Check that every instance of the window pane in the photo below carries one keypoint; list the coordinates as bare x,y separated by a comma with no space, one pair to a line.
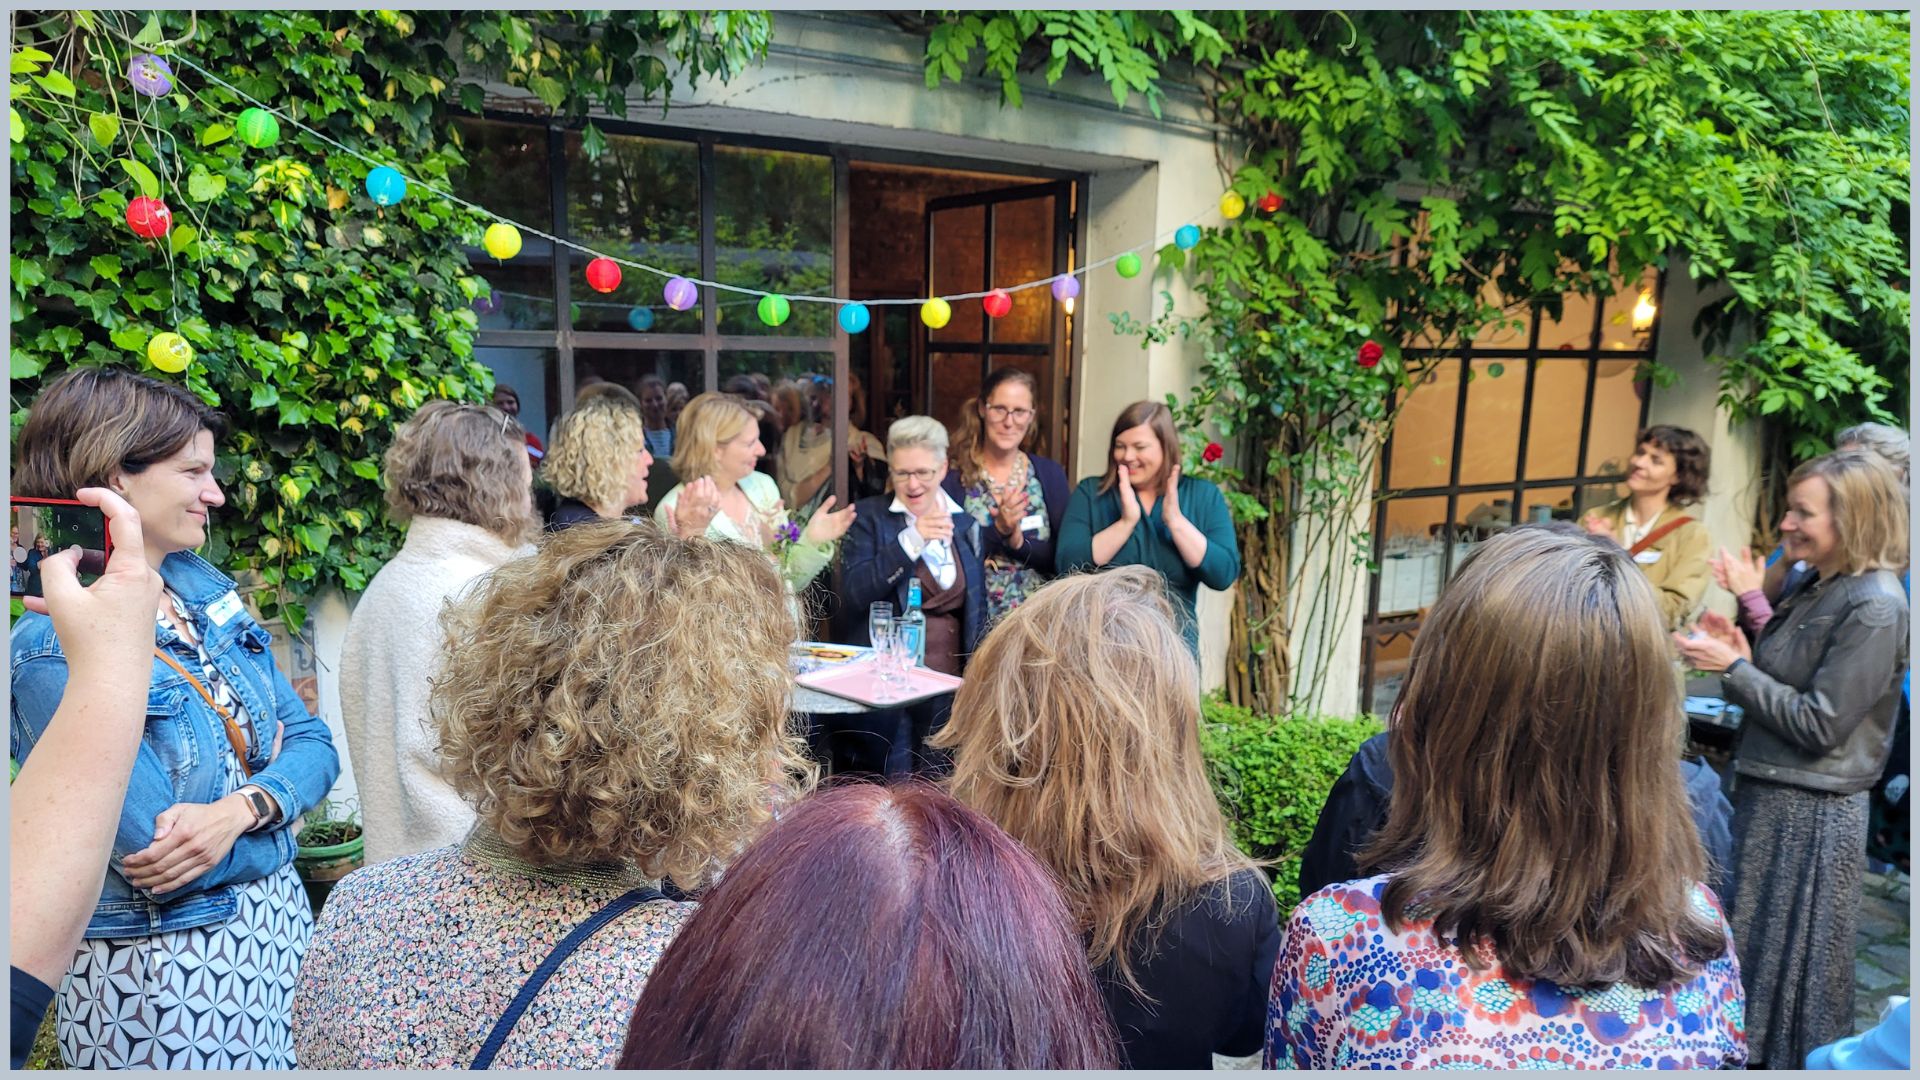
1411,555
773,224
1423,433
1023,251
1616,418
1543,505
531,375
959,244
1390,655
1573,330
626,367
956,378
639,200
1491,449
507,173
1553,436
883,356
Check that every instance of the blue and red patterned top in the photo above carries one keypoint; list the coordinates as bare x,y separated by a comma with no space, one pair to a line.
1350,993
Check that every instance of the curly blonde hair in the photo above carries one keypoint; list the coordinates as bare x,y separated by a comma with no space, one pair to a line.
465,462
622,696
592,452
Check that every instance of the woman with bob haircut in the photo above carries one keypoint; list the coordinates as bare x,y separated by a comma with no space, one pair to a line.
1542,900
614,710
458,477
1078,732
1820,690
1144,513
962,957
718,444
1668,472
202,866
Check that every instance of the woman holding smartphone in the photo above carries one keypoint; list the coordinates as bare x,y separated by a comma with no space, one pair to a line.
201,922
1144,513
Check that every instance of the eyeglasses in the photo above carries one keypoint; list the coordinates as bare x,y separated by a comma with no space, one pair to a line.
925,476
1002,412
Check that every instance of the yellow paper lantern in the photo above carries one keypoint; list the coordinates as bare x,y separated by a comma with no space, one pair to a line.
502,240
935,313
169,352
1232,205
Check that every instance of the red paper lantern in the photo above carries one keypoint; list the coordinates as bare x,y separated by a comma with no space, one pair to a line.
1270,202
149,218
1370,354
997,303
603,274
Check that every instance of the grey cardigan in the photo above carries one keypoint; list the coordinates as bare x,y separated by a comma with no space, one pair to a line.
1821,692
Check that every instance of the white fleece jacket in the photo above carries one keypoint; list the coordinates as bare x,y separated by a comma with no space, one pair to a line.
393,649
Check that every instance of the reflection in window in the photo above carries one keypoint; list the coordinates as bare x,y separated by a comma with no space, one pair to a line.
639,200
773,227
508,174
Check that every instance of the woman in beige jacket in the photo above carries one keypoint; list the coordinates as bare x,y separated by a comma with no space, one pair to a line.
1668,473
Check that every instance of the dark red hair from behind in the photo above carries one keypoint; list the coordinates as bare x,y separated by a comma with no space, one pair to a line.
876,928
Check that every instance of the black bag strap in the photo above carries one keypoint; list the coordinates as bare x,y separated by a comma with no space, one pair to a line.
619,906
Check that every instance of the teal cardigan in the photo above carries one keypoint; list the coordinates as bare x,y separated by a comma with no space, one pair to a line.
1151,545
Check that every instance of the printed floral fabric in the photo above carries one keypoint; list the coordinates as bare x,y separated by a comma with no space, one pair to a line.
417,957
1009,582
1350,993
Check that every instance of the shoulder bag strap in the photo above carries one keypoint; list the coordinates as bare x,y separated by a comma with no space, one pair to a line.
1658,534
234,736
619,906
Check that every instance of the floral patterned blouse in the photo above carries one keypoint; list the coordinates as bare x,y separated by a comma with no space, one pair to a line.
1009,582
415,959
1349,993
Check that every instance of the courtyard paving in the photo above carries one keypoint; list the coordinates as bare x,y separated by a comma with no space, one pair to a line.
1881,966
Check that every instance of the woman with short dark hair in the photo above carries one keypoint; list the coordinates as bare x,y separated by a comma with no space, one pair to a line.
875,928
1668,472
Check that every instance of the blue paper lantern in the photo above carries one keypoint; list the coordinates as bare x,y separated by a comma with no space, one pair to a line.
1186,236
385,186
855,318
640,318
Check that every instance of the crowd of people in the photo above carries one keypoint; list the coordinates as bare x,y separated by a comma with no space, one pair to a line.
596,837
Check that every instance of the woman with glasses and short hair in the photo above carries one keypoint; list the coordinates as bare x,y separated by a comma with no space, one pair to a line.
1019,498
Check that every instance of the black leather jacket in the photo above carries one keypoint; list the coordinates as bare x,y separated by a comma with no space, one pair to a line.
1821,692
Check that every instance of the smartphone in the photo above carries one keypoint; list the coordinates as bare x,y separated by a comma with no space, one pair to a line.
41,527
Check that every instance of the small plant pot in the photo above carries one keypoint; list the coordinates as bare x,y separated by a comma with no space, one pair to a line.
320,867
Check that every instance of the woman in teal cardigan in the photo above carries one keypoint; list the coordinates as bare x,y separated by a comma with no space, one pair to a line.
1144,513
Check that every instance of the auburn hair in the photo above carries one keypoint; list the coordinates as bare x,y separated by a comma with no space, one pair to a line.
1538,807
1159,419
465,462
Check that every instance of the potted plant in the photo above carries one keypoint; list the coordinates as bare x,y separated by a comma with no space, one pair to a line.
330,847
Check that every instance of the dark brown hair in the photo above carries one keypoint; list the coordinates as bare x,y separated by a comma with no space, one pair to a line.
973,429
876,928
1691,459
1156,416
91,423
1538,804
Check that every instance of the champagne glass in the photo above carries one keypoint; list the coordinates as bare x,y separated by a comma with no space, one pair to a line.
879,622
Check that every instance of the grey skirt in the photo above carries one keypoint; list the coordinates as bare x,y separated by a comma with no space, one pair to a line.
1798,860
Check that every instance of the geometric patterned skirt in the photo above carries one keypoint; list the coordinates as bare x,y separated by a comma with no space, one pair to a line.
210,997
1798,859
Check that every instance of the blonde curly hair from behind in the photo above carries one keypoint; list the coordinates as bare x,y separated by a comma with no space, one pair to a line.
465,462
593,450
622,696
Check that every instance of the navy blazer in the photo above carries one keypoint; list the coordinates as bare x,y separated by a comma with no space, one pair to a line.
875,567
1036,553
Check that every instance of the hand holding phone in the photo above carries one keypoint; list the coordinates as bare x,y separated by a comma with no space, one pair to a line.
43,528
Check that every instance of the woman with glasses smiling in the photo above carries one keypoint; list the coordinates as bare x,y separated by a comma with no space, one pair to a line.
1018,498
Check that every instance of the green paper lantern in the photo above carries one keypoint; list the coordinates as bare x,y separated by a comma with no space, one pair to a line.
774,310
259,129
1127,265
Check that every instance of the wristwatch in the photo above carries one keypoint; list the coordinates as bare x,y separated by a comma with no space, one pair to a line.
263,806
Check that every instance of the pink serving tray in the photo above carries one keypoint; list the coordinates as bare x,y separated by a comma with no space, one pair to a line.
858,682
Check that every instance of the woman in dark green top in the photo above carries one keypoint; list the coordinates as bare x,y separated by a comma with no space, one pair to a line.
1144,513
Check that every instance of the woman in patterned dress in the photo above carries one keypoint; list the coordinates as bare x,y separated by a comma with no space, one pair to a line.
1017,497
191,956
614,710
1542,905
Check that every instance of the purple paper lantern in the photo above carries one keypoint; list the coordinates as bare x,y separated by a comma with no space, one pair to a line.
681,294
150,75
1066,287
486,305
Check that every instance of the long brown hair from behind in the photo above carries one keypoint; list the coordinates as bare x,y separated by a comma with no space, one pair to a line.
1537,806
1078,731
972,434
1159,419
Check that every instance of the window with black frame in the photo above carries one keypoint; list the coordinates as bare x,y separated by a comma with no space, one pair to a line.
1531,421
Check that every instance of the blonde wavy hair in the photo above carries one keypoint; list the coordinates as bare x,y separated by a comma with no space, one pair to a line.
1078,732
592,452
622,696
465,462
708,420
1869,506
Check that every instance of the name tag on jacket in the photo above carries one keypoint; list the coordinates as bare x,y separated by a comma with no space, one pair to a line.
223,610
1647,558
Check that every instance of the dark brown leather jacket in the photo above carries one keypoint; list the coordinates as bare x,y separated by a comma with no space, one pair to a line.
1821,692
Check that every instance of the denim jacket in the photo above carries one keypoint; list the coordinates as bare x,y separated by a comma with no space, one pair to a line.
181,755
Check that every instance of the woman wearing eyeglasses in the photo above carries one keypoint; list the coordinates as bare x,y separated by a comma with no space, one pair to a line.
1018,498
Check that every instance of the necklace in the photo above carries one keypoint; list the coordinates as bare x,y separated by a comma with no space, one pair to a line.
1016,479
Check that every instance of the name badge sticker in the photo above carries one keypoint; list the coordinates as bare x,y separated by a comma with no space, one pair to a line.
1031,522
1647,558
223,610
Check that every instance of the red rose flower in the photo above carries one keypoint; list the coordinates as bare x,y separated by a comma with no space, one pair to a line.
1370,354
1214,452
